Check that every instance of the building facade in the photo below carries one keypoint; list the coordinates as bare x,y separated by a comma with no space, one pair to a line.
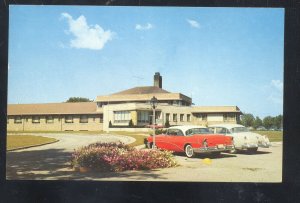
126,110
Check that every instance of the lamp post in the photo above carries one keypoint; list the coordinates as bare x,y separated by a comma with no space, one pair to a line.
153,103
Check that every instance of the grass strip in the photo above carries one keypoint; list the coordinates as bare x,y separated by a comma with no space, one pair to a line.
274,136
24,141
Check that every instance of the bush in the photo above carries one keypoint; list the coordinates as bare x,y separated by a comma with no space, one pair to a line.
130,124
120,157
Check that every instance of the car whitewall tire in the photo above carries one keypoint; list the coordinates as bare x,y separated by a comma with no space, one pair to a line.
189,151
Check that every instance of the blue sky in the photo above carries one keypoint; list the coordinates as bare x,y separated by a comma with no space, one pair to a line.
217,56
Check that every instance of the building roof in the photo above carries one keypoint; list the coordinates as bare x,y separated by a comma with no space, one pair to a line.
53,108
211,109
142,97
142,90
144,93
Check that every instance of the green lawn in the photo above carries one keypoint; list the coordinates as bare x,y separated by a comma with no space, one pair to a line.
138,136
274,136
62,132
20,141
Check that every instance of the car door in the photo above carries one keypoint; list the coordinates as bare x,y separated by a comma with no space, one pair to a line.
162,141
177,140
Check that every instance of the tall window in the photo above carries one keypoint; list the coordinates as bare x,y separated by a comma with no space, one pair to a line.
175,117
122,116
35,119
84,119
167,117
69,119
188,117
49,119
181,117
143,116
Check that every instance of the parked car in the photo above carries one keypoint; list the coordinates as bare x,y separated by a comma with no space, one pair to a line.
242,137
191,140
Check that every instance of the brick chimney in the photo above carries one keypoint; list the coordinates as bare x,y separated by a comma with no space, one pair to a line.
157,80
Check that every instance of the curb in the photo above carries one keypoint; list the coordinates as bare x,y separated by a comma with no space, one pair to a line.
19,148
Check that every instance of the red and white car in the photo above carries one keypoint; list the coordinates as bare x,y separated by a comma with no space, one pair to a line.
191,140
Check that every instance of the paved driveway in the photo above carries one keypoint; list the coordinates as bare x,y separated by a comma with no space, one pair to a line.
49,160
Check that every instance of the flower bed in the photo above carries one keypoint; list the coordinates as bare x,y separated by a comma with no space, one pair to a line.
120,157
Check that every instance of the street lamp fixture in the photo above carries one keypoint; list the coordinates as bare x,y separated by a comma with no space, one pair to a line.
153,103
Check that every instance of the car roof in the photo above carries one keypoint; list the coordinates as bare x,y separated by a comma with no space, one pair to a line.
226,125
186,127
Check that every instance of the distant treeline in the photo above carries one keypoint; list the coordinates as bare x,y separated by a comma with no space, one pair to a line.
268,122
78,99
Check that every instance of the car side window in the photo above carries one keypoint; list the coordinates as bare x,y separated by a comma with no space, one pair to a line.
175,132
170,132
179,133
220,130
188,132
227,131
211,130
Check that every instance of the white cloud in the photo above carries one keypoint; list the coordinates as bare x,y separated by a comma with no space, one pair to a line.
276,92
8,66
148,26
193,23
86,36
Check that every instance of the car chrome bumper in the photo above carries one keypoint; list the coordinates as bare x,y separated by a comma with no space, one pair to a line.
264,145
214,149
247,146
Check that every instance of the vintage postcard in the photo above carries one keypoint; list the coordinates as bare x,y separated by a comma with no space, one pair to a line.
185,94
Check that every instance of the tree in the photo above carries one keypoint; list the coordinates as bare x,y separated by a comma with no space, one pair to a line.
268,122
247,120
78,99
257,122
278,121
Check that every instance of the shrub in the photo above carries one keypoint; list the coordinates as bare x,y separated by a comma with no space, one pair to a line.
130,124
120,157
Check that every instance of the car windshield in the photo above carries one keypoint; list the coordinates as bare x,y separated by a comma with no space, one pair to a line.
239,130
193,131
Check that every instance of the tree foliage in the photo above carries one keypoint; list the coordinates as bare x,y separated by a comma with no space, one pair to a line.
247,120
78,99
257,122
268,122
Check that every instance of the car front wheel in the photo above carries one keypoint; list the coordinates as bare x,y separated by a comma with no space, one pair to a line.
189,151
